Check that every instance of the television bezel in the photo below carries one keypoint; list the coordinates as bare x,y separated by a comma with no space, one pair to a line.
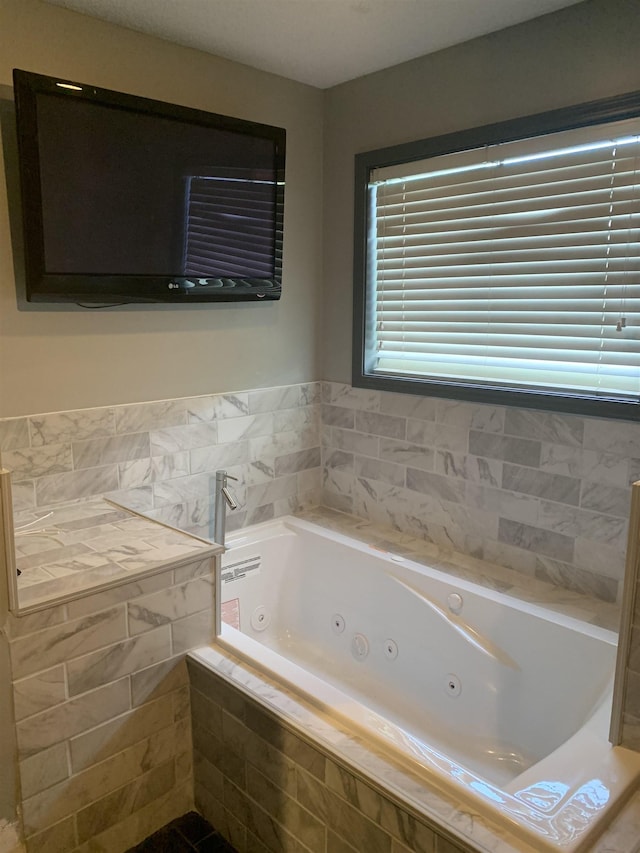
104,289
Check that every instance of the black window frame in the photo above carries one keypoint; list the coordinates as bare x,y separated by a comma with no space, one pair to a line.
602,111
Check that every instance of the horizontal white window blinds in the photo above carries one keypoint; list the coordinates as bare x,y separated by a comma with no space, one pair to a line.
229,227
514,265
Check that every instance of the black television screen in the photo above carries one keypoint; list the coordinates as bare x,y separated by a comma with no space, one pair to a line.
127,199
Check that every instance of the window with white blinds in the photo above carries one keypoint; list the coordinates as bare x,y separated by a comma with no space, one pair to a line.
230,227
510,266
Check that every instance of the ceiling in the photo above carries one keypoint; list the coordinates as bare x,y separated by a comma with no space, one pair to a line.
319,42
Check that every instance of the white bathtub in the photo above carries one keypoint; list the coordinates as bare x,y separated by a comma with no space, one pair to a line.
503,703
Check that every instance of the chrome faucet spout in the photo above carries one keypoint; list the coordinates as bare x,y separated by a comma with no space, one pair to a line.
223,498
226,494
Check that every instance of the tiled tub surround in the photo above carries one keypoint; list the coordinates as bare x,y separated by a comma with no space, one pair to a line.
70,549
545,494
273,774
158,457
102,710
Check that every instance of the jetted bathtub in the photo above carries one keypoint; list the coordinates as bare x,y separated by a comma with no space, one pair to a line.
503,702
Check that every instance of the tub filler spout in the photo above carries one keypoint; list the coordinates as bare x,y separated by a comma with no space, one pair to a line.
223,498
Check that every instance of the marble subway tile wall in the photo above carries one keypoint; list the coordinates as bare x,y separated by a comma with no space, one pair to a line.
102,710
545,494
158,457
266,789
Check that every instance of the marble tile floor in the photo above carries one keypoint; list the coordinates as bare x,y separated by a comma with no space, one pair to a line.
190,833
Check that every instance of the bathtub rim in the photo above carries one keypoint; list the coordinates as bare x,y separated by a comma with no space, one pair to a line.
458,819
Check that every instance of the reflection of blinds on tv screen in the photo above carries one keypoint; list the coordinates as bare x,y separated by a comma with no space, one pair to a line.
127,193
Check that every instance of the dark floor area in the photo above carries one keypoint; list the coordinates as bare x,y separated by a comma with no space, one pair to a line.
186,834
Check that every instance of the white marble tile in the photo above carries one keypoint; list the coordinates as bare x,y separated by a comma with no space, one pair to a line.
112,662
192,631
585,464
544,542
297,419
60,643
183,489
608,436
139,499
340,394
37,461
176,439
250,426
175,602
473,468
23,495
61,427
408,405
38,692
269,446
170,466
299,460
74,485
124,593
105,451
217,407
116,733
73,717
390,426
405,453
584,523
265,493
275,399
142,417
611,500
599,557
548,426
210,459
92,784
470,415
44,769
14,433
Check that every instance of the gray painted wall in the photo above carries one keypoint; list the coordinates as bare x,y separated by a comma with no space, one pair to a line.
68,358
581,53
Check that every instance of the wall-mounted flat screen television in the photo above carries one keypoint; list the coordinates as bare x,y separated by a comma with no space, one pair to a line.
127,199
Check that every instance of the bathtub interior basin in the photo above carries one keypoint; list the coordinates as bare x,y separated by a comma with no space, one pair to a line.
503,702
